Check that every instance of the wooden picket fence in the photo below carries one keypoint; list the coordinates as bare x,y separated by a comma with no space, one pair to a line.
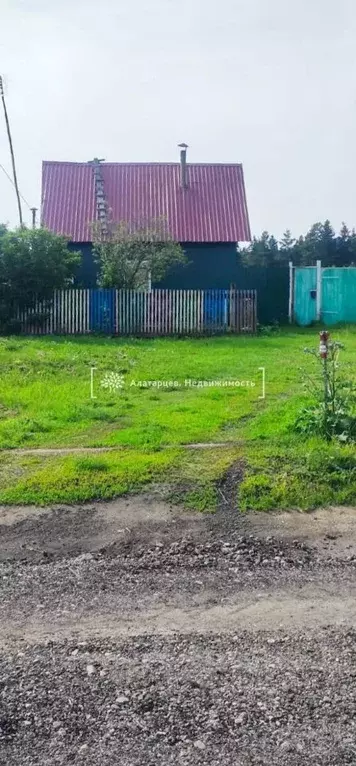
131,312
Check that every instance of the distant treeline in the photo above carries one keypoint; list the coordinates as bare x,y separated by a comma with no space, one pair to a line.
320,243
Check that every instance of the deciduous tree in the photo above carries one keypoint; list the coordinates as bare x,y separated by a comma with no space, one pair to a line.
129,253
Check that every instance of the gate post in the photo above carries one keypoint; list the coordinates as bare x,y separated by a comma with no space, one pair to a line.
318,290
291,293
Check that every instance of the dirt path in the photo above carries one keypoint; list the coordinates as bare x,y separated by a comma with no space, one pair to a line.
48,451
137,565
131,632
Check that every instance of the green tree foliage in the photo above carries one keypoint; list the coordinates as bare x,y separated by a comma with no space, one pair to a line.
129,253
286,246
345,254
33,263
319,243
261,252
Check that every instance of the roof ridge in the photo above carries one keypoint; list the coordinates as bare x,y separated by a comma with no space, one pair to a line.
144,164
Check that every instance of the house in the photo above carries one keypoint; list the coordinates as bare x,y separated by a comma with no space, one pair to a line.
204,206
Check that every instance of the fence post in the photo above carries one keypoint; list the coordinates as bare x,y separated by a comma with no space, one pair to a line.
232,318
291,292
318,290
254,311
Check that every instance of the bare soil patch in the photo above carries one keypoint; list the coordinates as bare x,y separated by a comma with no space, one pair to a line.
332,531
28,533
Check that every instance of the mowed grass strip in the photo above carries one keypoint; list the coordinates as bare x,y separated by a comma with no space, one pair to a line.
45,401
74,479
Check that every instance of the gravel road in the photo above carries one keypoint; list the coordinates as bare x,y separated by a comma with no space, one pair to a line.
131,633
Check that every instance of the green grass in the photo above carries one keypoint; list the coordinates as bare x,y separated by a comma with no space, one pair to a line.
45,402
77,479
291,474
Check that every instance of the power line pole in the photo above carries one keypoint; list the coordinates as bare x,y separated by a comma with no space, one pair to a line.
11,152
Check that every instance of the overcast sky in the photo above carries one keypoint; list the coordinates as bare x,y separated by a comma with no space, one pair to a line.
269,83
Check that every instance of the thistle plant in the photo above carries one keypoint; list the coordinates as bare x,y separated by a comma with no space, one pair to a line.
332,410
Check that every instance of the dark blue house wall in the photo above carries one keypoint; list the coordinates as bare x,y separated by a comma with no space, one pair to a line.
87,271
209,266
213,266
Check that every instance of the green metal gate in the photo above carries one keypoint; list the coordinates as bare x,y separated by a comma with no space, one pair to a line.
326,295
305,295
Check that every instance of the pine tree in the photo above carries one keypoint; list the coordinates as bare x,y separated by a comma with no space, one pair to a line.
286,247
319,244
345,247
262,251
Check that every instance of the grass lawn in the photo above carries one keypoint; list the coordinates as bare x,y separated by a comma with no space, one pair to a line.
45,401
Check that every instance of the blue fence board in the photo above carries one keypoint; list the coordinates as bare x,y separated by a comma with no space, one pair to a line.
102,311
216,309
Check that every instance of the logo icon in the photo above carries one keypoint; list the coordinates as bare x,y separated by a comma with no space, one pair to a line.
112,381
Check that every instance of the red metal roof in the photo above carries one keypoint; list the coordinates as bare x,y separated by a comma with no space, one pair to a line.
212,209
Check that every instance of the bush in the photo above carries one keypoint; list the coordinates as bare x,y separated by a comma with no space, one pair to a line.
33,263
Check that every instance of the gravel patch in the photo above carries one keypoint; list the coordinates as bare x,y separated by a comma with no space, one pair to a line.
129,576
167,640
237,699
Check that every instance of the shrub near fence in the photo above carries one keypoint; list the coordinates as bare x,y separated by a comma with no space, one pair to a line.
151,313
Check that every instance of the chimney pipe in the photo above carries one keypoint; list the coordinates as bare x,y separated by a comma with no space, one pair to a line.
183,165
34,211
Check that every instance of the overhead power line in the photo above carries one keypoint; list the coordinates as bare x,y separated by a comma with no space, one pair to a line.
2,94
12,182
